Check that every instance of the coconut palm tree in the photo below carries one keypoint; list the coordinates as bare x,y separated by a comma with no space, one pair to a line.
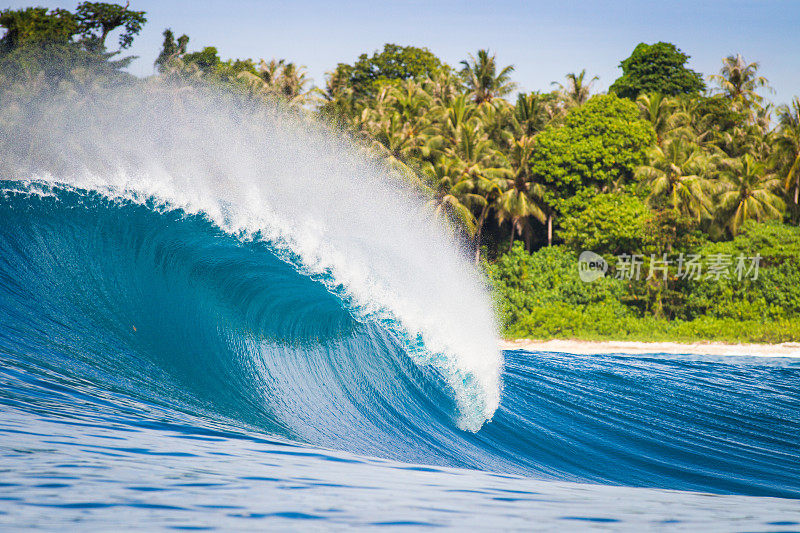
739,81
449,202
484,187
788,147
577,90
398,119
497,121
531,114
677,174
483,78
474,162
337,100
522,197
662,113
277,77
292,82
442,87
449,121
749,194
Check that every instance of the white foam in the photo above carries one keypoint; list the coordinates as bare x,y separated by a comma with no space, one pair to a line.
293,182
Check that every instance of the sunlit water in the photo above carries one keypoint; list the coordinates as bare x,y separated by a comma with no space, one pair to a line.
72,458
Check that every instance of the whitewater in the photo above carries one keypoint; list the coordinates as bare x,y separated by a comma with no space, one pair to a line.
214,313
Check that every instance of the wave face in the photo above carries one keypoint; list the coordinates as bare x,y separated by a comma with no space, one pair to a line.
171,262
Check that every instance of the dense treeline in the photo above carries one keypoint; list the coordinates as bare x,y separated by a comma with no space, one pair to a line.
668,164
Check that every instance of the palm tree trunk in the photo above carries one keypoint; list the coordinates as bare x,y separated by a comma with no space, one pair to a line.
797,198
478,231
513,227
549,229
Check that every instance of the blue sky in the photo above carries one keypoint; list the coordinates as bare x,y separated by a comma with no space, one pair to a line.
544,40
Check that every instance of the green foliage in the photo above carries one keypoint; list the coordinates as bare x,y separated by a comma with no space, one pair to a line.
171,49
776,292
599,145
394,63
90,25
43,48
541,296
609,224
98,19
525,282
206,59
36,25
656,68
565,322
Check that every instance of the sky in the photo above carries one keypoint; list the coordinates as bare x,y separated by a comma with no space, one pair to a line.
543,40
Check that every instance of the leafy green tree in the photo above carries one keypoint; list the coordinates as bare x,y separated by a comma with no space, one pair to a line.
774,294
206,60
393,64
484,79
656,68
527,283
43,48
609,224
36,25
97,19
599,145
89,25
171,49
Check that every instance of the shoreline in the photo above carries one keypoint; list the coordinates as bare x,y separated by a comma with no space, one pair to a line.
580,347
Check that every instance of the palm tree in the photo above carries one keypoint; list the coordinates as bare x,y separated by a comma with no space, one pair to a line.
449,202
788,147
662,113
449,120
466,164
521,197
443,87
531,114
577,90
739,81
484,82
749,194
292,81
677,174
483,186
337,100
497,121
278,77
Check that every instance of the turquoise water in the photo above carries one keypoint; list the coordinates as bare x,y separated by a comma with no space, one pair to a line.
159,372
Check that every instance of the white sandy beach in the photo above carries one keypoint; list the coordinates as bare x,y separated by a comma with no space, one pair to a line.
791,349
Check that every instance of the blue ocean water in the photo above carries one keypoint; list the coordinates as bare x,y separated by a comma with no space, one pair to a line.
159,372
